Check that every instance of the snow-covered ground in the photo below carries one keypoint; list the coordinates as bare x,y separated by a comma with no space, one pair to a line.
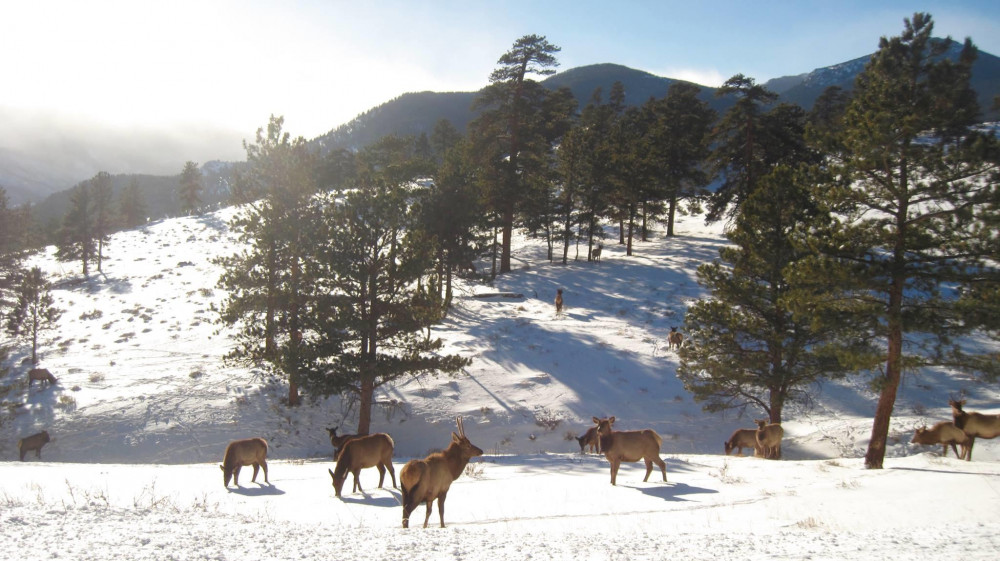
145,406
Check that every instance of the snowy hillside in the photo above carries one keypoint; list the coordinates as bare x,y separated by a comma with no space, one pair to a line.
138,356
144,407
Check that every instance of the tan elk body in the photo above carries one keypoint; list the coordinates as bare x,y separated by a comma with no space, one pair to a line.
423,481
33,442
374,450
338,441
239,453
769,439
629,446
740,439
974,425
590,439
42,375
674,339
943,433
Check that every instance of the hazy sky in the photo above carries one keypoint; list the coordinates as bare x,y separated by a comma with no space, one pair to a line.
206,65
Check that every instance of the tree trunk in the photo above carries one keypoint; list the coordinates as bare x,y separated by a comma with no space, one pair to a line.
366,401
893,374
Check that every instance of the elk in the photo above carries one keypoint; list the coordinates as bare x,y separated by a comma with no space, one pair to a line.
974,424
591,439
239,453
595,254
42,375
943,433
742,438
33,442
559,301
424,480
374,450
674,339
338,442
629,446
769,439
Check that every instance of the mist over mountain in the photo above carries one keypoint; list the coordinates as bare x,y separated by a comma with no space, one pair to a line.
41,155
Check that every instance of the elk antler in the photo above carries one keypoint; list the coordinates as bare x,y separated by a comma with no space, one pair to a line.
461,426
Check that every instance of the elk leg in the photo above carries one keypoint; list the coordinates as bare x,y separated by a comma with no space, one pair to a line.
236,475
263,464
357,483
256,469
392,473
441,506
428,516
381,475
663,466
649,469
968,451
614,471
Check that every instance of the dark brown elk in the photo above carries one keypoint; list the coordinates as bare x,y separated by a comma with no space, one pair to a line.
943,433
239,453
595,254
674,339
559,301
373,450
769,439
424,480
42,375
629,446
33,442
974,425
742,438
590,439
338,441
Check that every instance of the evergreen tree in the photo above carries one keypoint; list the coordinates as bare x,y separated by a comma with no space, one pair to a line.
12,226
132,206
76,236
509,128
266,283
747,348
102,193
370,309
909,209
34,312
444,137
680,144
190,188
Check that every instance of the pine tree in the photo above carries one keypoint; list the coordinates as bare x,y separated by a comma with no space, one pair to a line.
370,309
132,206
76,236
747,347
190,188
12,253
34,312
102,193
266,283
907,210
510,128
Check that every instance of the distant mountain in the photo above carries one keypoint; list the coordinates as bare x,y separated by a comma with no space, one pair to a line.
803,89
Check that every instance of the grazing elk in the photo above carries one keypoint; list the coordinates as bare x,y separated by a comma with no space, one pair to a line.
591,439
595,254
33,442
338,442
740,439
629,446
373,450
559,301
239,453
674,339
943,433
974,425
769,439
42,375
424,480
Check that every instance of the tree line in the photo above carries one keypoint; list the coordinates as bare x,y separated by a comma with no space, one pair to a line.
863,232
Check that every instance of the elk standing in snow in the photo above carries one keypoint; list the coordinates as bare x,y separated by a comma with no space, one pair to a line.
374,450
629,446
974,425
33,442
595,254
338,442
559,301
943,433
239,453
769,439
674,339
42,375
424,480
742,438
591,439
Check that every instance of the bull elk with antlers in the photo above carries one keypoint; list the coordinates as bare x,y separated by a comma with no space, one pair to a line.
424,480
